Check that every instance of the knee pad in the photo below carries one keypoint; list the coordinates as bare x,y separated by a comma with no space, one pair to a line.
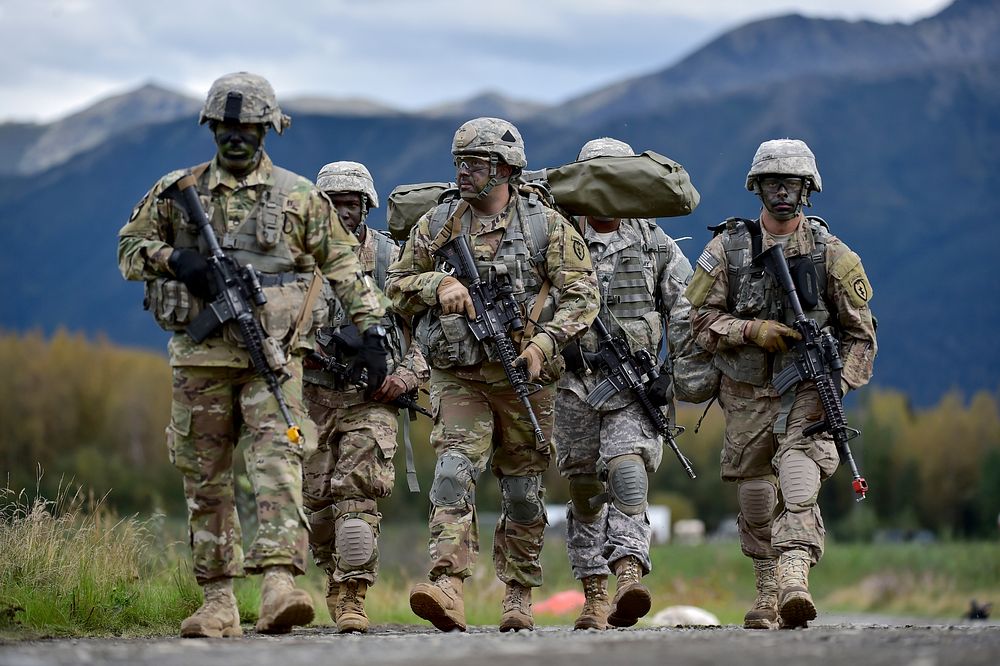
798,475
454,480
355,542
583,488
757,499
522,498
628,484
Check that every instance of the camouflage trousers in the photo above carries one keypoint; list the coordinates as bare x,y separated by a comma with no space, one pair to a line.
763,438
478,418
213,410
348,473
586,440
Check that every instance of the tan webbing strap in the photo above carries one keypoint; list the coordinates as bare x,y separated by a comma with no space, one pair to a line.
314,288
454,224
536,311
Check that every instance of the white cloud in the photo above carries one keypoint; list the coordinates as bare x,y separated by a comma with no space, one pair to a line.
62,54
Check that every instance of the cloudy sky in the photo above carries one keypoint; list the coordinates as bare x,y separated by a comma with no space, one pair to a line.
62,55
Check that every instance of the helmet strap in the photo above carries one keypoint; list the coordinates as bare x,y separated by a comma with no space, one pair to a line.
493,181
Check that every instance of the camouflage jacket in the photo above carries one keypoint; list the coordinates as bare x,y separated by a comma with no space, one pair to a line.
310,229
413,280
845,298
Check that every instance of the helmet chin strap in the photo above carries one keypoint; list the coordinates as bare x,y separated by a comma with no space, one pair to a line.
493,181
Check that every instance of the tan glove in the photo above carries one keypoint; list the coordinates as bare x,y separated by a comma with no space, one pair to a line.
453,296
531,359
770,334
391,388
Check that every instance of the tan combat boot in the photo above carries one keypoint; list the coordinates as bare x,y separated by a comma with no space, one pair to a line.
596,606
764,613
282,606
632,599
218,616
795,605
517,609
332,596
351,607
440,602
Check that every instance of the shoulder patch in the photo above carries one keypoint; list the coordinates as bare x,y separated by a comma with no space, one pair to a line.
578,249
848,271
138,207
707,262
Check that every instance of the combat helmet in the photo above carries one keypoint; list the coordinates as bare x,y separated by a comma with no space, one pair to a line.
348,177
246,98
485,137
605,147
790,157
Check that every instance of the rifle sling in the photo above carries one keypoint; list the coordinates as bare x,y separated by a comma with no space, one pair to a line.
536,311
314,288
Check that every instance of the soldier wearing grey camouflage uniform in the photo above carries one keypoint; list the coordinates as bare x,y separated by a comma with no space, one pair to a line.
477,411
741,315
642,274
282,225
352,468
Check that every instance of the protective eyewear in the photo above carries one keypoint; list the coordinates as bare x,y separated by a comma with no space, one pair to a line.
771,184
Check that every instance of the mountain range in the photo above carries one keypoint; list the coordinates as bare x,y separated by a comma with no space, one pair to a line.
904,120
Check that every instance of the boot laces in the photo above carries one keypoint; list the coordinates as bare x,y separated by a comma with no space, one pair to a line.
593,590
629,571
767,584
515,597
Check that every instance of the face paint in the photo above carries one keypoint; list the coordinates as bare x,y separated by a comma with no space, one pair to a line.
781,196
239,146
348,207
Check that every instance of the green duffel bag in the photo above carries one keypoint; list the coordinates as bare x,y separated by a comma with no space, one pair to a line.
407,203
646,185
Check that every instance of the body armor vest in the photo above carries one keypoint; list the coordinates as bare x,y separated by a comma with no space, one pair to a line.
520,255
754,294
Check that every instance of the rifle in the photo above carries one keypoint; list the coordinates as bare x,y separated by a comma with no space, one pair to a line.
346,342
496,312
632,370
818,360
235,287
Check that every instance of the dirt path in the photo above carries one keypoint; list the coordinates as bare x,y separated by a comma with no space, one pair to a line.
842,643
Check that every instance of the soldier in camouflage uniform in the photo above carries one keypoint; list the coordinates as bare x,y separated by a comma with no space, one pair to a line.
477,411
281,224
642,274
740,313
352,466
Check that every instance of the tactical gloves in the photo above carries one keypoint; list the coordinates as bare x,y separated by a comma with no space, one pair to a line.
531,359
454,298
193,270
661,390
391,388
769,334
371,357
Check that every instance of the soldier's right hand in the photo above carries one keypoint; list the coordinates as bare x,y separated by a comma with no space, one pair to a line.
453,296
193,270
770,334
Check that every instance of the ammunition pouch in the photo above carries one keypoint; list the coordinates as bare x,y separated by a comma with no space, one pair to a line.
172,305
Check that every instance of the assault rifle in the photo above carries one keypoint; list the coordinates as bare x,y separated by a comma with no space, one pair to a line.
237,290
818,361
496,313
344,343
628,370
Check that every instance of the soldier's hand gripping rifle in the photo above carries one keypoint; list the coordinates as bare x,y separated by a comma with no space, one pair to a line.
237,290
496,313
627,370
818,361
343,344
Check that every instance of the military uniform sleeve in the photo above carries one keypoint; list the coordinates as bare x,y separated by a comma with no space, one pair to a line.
671,302
142,249
707,292
316,230
413,370
571,272
412,282
850,292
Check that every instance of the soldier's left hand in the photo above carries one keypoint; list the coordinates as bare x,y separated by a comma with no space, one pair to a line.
391,388
661,391
531,360
372,358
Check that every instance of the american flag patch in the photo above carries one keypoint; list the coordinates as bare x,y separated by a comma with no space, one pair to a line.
707,261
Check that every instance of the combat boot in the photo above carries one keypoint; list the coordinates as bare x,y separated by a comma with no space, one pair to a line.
632,599
282,606
332,596
440,603
596,606
218,616
517,609
764,613
795,605
351,607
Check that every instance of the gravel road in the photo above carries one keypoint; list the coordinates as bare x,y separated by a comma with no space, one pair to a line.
834,640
